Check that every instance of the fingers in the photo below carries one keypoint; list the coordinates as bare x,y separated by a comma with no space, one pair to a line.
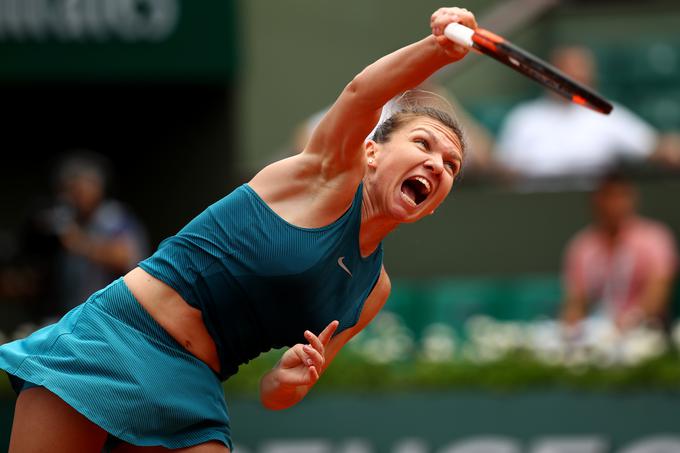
447,44
302,364
328,332
303,356
314,341
308,378
313,375
315,349
468,19
444,16
298,377
441,18
315,358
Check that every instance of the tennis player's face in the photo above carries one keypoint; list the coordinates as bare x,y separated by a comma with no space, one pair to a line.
415,169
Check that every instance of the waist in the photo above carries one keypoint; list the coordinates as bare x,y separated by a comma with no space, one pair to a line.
179,319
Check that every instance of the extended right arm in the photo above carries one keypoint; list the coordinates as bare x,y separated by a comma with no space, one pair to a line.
341,133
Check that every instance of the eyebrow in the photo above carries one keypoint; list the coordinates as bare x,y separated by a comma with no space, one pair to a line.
455,156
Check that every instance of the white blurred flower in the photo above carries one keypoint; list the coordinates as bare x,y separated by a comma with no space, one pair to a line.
479,326
546,341
386,340
513,334
595,342
642,344
439,343
600,343
492,340
475,354
387,322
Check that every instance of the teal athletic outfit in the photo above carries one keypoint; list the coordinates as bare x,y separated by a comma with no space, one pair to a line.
259,282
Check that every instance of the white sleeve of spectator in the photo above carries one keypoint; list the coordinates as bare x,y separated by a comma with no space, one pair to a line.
510,139
636,137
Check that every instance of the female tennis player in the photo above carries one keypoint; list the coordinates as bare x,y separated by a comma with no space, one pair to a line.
294,252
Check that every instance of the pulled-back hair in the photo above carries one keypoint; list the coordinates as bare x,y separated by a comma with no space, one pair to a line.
385,129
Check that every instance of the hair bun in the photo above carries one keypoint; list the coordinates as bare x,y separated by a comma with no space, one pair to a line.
419,99
414,100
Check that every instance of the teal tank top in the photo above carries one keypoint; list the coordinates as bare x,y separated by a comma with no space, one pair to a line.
260,281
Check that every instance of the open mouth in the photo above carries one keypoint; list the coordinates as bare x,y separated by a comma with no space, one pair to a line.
415,190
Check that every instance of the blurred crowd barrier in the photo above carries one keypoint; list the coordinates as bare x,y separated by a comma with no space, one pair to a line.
462,423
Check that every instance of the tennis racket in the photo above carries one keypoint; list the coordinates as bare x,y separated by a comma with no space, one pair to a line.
525,63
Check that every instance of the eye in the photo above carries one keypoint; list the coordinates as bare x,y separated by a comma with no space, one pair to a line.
424,143
452,165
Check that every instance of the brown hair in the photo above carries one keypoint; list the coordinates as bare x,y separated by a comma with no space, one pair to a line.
385,129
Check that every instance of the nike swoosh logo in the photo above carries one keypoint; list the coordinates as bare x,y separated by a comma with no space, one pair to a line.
342,265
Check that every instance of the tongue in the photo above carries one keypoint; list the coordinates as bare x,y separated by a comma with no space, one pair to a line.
409,192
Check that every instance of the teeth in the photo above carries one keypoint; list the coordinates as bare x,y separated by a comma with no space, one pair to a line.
408,200
424,182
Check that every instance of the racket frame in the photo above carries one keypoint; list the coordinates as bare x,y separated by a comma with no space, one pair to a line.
528,64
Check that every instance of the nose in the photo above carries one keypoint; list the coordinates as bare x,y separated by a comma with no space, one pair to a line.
435,164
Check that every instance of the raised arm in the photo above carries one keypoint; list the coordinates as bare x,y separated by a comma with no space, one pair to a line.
341,133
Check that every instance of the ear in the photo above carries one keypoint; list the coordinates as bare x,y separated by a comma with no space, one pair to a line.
371,151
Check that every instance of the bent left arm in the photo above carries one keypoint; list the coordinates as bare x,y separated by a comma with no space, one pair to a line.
301,366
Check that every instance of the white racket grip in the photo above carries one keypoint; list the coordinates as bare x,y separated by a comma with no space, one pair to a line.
459,34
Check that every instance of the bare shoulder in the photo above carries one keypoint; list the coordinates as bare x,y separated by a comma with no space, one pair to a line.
296,190
286,176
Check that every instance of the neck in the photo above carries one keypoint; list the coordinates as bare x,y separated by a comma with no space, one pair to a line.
613,230
374,226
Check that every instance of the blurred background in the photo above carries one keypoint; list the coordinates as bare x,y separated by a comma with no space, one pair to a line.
535,312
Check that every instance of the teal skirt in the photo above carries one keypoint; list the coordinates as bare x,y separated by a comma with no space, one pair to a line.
113,363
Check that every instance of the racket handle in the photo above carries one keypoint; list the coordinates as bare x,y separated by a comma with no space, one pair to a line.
459,34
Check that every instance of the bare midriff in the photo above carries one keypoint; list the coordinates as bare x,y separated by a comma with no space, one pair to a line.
182,321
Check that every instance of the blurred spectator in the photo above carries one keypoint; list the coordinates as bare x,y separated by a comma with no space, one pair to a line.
551,136
622,265
82,240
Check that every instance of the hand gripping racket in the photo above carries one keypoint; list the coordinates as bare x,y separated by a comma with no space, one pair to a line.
530,65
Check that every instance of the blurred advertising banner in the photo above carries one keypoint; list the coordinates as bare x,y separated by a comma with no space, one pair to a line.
541,422
118,39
